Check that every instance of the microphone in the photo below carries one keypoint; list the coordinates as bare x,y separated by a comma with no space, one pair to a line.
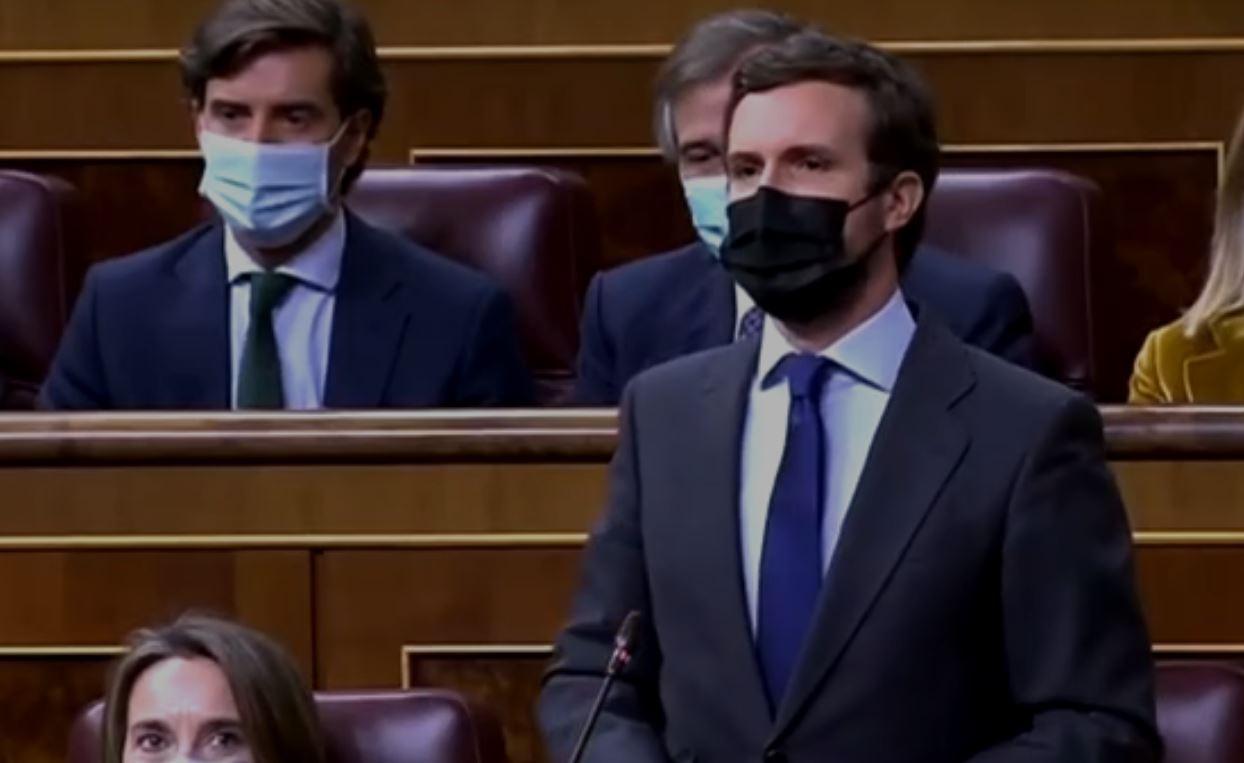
623,651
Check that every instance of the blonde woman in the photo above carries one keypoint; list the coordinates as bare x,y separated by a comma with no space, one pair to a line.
1200,357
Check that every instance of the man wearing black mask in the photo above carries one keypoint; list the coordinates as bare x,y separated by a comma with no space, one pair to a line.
853,538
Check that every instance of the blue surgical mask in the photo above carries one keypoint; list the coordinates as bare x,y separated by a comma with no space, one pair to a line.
268,193
707,198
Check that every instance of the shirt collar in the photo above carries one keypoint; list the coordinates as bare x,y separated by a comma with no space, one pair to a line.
872,351
742,303
318,266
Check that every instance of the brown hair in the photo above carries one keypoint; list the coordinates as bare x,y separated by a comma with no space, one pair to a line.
239,31
275,706
904,131
1223,291
708,52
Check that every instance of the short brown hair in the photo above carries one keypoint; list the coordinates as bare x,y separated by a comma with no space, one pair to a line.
275,706
708,52
240,31
904,128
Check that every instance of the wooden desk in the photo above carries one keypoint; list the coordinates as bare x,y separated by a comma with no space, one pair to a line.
406,549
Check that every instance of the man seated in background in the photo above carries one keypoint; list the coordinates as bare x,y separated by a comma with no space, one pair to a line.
935,566
680,302
289,301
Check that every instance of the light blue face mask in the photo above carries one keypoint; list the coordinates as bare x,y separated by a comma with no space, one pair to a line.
269,193
707,198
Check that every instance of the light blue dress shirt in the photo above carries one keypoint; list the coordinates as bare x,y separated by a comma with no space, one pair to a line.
867,362
303,321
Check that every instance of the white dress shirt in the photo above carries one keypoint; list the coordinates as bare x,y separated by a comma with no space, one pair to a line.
303,322
742,303
866,364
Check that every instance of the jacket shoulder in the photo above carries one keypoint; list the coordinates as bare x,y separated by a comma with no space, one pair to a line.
1171,344
418,265
671,268
148,263
937,276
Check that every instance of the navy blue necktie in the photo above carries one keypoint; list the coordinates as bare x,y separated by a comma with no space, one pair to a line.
791,564
751,324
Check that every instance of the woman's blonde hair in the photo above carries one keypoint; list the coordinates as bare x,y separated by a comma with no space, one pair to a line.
1224,288
275,706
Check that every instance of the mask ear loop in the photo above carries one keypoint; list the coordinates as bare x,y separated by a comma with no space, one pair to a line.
878,189
335,194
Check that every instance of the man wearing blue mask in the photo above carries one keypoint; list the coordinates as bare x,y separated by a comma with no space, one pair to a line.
288,301
680,302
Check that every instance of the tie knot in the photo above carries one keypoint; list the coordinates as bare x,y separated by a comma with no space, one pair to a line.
268,289
806,374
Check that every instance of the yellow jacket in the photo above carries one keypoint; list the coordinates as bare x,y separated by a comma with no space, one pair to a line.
1206,369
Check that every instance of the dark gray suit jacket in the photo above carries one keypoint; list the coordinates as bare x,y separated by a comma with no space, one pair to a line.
980,604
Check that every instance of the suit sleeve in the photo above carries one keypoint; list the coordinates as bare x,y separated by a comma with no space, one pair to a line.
1076,643
597,365
1004,326
614,582
493,372
76,380
1145,386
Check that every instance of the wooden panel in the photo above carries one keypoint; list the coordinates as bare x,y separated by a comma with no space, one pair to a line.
592,101
508,683
363,608
299,499
1191,593
369,605
1183,495
148,23
96,598
41,697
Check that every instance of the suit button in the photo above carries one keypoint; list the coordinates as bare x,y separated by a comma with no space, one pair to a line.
775,756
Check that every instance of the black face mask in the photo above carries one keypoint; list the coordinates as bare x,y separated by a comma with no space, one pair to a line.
789,253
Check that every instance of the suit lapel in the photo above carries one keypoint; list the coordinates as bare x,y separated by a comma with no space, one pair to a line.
917,447
722,410
711,308
369,321
196,335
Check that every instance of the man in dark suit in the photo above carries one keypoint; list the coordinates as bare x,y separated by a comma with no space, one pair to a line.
290,301
853,537
680,302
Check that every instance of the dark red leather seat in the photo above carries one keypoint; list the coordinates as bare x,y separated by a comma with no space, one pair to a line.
1201,711
533,230
424,726
1044,228
40,229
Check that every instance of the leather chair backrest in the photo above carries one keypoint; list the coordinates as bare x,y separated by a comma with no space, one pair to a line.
1201,711
1044,228
533,230
40,231
425,726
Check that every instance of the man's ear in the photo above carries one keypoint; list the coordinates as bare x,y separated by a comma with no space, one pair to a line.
903,200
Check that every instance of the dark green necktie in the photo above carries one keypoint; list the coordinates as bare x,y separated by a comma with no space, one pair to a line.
259,380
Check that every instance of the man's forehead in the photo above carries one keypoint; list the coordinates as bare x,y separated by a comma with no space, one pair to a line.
304,72
806,112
